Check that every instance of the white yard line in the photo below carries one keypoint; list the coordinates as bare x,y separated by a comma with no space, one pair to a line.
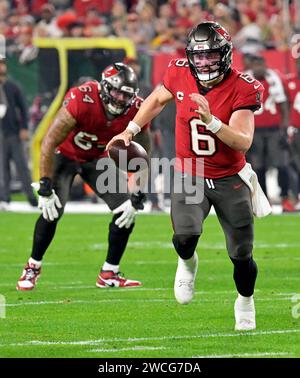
135,300
201,246
125,349
158,338
262,354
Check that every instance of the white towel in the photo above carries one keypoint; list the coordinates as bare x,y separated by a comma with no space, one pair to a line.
260,204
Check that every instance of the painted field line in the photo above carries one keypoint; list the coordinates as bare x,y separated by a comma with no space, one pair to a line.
158,338
126,349
136,300
201,246
262,354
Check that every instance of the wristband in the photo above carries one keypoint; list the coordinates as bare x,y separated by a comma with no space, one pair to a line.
215,125
45,187
133,127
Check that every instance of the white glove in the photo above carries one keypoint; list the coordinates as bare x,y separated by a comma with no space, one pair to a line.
48,205
128,216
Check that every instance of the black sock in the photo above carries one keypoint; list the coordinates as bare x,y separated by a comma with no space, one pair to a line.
43,234
117,241
283,181
244,275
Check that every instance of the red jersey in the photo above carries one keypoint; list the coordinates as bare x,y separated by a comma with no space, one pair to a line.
193,140
294,98
269,115
87,141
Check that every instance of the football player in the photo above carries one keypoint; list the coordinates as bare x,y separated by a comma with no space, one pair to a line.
90,116
270,146
214,127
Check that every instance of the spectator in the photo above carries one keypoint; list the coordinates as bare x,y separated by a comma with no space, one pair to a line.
47,26
249,37
14,132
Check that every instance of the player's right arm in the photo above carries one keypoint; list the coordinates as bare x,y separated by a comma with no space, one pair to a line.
60,128
149,109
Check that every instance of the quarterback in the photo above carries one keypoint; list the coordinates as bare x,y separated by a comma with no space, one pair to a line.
90,116
214,126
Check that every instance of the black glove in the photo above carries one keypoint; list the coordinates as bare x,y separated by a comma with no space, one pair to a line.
138,199
45,187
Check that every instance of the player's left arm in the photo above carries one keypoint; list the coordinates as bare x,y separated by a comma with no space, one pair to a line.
238,134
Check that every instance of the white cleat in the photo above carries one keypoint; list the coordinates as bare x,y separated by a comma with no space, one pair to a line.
244,312
185,279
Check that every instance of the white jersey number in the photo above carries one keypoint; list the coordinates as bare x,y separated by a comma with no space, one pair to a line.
85,140
198,137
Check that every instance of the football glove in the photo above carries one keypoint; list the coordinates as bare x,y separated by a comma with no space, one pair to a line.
138,200
128,214
48,201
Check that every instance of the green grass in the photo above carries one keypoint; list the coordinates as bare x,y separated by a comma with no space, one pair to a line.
67,316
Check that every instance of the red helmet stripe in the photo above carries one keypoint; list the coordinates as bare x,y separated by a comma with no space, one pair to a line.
223,33
110,71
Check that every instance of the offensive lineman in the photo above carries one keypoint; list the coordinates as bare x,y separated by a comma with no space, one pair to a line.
90,116
204,87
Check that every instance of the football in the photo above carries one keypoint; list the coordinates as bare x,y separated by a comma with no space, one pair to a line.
123,156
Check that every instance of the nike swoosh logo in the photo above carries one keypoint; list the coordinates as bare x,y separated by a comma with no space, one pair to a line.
108,282
256,86
72,95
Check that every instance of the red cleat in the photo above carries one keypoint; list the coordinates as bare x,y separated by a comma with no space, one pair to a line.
108,278
287,206
29,277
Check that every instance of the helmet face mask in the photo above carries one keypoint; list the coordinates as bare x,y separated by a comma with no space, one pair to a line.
209,51
206,64
118,88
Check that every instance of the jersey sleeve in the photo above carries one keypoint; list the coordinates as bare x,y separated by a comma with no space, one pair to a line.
71,102
249,94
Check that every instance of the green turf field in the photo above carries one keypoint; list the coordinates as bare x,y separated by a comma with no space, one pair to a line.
67,316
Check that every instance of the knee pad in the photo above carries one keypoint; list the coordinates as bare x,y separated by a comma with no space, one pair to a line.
239,242
185,245
242,251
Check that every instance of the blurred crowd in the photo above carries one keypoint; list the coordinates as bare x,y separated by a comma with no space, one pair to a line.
152,24
162,26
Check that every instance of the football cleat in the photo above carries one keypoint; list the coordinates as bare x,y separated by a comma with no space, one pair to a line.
108,278
288,206
244,312
185,279
29,277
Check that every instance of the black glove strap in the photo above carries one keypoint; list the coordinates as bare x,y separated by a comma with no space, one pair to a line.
45,187
138,199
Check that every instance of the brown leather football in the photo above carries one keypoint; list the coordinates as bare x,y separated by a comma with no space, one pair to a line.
130,158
